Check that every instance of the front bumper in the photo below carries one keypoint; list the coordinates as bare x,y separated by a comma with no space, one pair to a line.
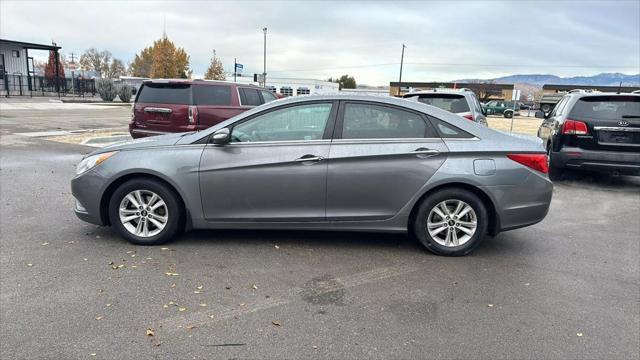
87,189
607,161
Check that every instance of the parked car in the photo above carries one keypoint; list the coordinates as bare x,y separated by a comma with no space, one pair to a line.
168,106
341,162
461,102
593,131
497,107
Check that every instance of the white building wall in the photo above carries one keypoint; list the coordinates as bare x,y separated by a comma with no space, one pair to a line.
14,65
318,87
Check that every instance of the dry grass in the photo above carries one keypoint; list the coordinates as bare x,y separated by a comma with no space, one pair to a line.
521,124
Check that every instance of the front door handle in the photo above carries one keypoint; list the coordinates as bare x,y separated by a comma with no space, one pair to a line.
309,158
425,151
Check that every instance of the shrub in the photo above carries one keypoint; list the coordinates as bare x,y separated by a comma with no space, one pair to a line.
106,88
124,92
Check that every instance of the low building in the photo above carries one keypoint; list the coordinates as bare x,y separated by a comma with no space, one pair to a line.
484,91
291,86
17,72
554,89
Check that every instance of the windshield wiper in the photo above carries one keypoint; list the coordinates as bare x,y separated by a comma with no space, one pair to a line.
630,116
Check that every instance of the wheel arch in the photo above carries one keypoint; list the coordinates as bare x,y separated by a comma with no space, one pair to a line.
111,188
493,227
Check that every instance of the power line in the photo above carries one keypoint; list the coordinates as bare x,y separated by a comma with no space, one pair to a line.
460,64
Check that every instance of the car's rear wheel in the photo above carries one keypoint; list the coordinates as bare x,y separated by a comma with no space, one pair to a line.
146,212
555,172
546,108
508,114
451,222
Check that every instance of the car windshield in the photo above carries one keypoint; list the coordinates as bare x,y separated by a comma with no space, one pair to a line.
606,107
448,102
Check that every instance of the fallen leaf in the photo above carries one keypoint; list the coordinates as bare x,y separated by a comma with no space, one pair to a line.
173,285
134,266
150,332
182,309
490,305
129,252
211,316
92,354
99,317
171,303
254,287
157,343
97,236
171,274
85,259
276,323
165,306
526,284
29,264
199,287
149,258
314,346
45,243
579,334
120,266
228,287
189,327
242,304
203,305
197,292
277,247
134,255
108,305
100,290
166,249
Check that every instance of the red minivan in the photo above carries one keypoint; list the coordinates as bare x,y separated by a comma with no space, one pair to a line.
169,106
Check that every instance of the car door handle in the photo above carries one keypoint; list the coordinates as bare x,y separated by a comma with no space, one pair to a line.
307,158
425,151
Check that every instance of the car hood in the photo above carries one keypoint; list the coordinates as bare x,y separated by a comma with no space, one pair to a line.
143,143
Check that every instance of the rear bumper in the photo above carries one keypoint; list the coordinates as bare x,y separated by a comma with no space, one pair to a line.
521,205
138,133
607,161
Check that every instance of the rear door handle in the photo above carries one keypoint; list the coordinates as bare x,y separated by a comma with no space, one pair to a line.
425,151
308,158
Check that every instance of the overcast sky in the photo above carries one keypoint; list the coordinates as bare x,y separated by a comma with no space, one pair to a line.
445,40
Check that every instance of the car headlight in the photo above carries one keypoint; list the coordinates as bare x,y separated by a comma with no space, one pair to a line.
93,161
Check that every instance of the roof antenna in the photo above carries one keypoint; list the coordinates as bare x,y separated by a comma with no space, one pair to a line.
620,87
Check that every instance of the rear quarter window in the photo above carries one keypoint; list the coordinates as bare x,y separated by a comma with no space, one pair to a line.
448,131
212,95
448,102
249,97
165,94
606,107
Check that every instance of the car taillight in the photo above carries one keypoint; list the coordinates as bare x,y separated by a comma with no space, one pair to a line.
573,127
193,114
534,161
468,117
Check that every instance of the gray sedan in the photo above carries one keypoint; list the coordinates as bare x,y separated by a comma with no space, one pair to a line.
353,163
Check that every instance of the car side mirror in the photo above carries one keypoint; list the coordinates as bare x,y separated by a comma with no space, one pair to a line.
220,137
540,114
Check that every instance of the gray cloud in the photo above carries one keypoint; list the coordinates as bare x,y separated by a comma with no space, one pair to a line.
446,40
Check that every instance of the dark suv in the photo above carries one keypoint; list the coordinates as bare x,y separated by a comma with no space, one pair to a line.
168,106
593,131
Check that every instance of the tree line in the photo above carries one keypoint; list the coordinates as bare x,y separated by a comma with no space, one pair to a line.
163,59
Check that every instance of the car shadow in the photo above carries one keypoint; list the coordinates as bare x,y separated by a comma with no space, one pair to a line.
575,178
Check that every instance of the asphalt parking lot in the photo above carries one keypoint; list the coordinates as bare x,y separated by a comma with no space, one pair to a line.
568,287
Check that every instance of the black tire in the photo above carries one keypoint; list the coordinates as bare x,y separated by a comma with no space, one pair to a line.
175,218
508,114
425,207
555,172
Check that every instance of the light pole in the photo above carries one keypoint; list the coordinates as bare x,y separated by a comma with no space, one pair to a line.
401,61
264,67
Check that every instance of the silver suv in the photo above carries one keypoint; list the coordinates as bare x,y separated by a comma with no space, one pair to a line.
461,102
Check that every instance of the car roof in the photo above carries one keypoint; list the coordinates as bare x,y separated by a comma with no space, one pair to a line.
197,81
460,91
595,94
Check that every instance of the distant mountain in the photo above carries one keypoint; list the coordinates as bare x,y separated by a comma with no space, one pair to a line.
604,79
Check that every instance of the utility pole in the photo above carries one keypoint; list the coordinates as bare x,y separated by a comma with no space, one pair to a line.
264,68
401,62
235,69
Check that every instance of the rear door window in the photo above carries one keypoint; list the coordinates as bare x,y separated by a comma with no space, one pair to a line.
163,93
607,108
448,102
267,96
212,95
249,97
367,121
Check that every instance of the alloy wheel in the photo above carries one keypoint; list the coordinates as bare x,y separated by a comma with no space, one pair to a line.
143,213
452,223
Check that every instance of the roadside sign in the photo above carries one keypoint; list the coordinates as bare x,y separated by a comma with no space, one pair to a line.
239,68
71,66
516,95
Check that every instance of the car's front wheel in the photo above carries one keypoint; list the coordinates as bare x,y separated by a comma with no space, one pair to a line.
451,222
508,114
146,212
